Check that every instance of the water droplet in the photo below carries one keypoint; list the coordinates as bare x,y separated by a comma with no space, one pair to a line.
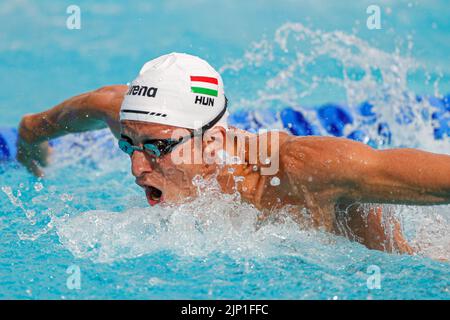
30,213
275,181
66,197
235,160
38,186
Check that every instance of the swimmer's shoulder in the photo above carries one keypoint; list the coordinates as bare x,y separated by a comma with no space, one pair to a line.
317,144
305,151
106,102
108,97
321,154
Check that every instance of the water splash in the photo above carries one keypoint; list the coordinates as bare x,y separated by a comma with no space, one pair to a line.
196,229
301,67
427,229
15,201
203,227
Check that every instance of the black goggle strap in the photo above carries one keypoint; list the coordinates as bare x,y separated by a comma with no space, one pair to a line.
210,124
171,144
168,145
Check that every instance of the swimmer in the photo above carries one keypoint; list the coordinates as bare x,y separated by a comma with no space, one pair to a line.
176,109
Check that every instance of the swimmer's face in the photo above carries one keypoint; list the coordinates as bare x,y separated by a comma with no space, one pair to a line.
164,179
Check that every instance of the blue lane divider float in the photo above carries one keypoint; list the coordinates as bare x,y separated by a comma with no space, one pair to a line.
8,139
332,120
441,116
296,123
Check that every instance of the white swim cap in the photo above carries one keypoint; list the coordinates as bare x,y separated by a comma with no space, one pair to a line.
179,90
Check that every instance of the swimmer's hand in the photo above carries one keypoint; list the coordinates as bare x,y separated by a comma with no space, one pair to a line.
32,154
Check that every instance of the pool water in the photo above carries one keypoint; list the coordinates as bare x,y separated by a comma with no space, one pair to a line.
88,215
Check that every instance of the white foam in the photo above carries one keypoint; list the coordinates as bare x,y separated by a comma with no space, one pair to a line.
301,67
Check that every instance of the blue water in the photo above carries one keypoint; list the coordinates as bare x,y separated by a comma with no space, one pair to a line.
295,54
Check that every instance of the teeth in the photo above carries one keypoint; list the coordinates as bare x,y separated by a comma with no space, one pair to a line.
154,197
154,194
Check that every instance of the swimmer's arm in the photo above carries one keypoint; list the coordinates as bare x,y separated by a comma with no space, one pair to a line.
89,111
346,170
404,176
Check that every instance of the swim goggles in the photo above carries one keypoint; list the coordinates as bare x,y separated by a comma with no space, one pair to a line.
156,148
160,147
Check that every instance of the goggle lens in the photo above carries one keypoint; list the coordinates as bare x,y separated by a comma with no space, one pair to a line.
157,149
126,147
153,150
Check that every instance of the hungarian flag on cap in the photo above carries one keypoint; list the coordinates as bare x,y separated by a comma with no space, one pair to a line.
204,85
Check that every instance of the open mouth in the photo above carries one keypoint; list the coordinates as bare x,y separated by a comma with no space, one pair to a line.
154,195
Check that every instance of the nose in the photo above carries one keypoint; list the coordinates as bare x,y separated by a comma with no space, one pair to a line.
140,163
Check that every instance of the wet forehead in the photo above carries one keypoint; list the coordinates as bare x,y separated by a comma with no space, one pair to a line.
139,131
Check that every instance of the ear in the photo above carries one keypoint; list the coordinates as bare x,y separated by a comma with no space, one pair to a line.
213,140
215,134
